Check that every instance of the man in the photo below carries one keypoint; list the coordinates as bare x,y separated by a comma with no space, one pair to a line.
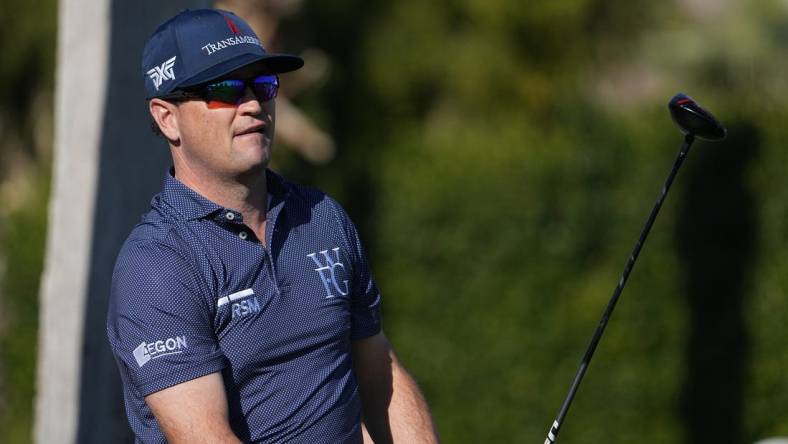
242,307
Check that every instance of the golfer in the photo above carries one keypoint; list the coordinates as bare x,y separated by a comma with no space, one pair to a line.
243,308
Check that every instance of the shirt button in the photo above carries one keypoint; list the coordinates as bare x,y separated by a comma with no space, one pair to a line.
230,215
243,235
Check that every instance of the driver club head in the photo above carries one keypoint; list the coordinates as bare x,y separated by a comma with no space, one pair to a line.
691,118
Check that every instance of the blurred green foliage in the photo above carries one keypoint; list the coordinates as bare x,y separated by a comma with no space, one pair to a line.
22,239
27,60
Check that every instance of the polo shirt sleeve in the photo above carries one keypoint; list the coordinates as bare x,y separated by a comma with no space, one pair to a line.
365,305
159,323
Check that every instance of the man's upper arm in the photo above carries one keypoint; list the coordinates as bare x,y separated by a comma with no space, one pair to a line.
159,324
194,411
373,358
160,328
393,408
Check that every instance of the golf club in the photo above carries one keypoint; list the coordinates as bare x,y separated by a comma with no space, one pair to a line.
693,121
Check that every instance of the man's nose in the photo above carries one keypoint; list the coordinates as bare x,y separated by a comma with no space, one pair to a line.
250,103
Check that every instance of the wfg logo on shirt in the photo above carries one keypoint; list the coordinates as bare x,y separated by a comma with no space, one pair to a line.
327,272
152,350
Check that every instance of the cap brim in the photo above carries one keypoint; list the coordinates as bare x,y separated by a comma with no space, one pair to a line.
271,63
275,63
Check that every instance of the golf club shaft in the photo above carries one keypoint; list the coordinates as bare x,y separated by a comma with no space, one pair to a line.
552,435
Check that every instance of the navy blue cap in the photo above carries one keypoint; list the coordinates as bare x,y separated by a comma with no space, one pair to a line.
197,46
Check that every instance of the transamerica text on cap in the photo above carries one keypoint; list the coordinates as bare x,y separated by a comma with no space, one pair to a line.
210,48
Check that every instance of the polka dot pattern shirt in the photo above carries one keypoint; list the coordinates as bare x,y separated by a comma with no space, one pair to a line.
195,292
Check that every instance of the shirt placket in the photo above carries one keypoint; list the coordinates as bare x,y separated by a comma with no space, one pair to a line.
235,220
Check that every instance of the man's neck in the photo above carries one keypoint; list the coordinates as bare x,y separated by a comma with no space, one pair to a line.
246,194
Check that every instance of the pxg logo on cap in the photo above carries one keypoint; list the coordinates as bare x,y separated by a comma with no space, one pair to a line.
161,73
197,46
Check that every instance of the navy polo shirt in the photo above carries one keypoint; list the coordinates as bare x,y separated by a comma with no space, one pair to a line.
195,292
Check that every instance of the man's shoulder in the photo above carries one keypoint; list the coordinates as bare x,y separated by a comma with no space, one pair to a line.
155,235
155,226
312,197
278,184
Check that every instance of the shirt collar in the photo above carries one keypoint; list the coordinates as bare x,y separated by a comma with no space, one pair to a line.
191,205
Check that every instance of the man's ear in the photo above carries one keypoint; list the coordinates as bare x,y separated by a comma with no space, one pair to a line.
165,114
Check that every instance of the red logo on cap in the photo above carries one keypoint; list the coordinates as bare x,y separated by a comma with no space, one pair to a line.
232,25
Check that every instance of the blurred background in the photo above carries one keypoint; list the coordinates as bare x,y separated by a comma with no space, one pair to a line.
499,158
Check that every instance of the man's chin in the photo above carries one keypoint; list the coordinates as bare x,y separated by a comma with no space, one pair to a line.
258,149
254,162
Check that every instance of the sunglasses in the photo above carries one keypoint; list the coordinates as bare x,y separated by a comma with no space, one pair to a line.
229,92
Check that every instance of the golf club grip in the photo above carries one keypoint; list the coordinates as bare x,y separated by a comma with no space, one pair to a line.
552,434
